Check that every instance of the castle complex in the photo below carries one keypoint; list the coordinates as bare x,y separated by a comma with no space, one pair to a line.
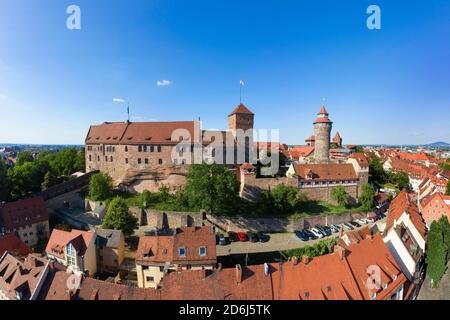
146,155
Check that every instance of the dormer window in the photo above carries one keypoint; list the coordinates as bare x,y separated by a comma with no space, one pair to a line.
374,296
182,252
202,251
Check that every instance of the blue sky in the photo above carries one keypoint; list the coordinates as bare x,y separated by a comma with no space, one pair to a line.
383,86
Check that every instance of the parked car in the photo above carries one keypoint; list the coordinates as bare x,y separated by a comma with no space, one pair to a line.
335,228
321,230
381,216
372,219
233,236
301,235
355,224
361,222
263,237
347,226
316,232
309,234
327,230
222,240
242,237
252,237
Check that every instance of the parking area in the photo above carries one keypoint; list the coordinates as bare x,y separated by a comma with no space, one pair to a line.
277,242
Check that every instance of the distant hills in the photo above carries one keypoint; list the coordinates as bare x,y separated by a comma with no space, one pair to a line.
439,144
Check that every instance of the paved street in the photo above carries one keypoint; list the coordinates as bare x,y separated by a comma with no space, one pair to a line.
278,242
440,293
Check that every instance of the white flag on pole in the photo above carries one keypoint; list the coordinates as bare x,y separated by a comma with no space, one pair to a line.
241,82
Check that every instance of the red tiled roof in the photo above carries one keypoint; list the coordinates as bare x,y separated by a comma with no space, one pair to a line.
362,159
13,245
301,151
137,132
413,156
59,239
20,213
20,275
339,276
323,110
162,249
241,109
322,120
403,203
331,171
156,132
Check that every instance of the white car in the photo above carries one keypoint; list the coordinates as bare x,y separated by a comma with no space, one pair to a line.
316,232
361,221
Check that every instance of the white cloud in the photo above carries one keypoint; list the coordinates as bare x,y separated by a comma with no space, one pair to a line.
163,83
119,100
3,97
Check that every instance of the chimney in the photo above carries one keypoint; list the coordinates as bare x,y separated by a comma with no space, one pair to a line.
266,269
238,273
341,252
294,260
305,259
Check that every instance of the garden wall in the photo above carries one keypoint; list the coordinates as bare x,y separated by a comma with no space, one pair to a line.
274,224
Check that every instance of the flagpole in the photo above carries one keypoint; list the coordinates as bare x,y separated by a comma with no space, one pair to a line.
128,111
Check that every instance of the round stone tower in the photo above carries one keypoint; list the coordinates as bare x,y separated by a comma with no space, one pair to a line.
322,130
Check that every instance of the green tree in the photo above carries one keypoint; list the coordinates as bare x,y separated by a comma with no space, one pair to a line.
437,253
100,187
67,162
4,182
401,180
49,180
339,195
212,187
448,188
27,178
118,217
284,198
367,198
376,172
23,157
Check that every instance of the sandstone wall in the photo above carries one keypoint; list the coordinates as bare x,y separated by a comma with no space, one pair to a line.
274,224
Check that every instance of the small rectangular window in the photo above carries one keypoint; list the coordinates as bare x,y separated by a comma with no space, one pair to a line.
126,160
126,148
152,149
159,148
160,161
111,159
139,160
140,149
182,252
145,148
202,251
90,158
146,160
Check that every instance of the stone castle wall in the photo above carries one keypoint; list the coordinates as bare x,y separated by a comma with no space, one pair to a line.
324,193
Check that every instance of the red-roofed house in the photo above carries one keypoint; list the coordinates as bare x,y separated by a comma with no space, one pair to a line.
21,279
75,249
27,218
342,275
318,180
11,243
188,248
405,235
434,207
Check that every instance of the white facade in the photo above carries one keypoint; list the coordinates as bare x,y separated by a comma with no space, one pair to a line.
398,249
